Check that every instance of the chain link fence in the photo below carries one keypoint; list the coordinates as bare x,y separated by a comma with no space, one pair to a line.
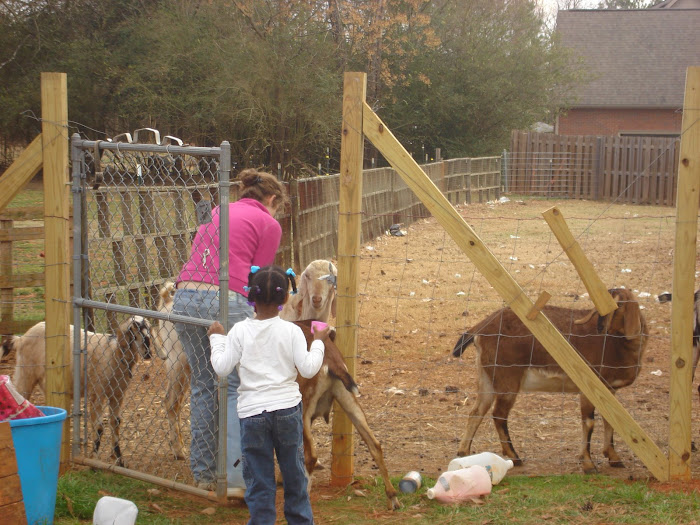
136,209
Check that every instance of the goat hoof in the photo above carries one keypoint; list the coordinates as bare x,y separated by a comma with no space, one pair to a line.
617,464
319,465
394,504
517,462
589,468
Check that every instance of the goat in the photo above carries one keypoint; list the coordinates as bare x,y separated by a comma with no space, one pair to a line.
110,364
169,348
334,383
315,298
511,360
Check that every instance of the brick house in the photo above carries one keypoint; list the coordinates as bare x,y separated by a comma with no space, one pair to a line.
636,61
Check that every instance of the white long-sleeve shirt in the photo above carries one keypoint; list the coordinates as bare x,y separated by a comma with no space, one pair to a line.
268,354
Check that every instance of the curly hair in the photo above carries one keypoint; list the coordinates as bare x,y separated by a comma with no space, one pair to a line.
258,185
269,285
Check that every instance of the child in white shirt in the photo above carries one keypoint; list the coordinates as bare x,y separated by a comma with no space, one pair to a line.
268,352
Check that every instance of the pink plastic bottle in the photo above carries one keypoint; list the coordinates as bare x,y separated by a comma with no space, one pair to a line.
455,486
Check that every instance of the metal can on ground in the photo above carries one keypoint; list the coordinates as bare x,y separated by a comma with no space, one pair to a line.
410,482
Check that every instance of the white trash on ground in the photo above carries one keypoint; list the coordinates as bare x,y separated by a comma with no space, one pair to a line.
114,511
494,464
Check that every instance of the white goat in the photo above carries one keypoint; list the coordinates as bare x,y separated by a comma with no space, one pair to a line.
511,360
110,363
316,294
169,348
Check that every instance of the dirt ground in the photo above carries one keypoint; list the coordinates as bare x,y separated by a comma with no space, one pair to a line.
418,292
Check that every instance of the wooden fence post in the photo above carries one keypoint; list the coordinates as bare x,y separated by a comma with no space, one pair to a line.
349,231
54,135
684,280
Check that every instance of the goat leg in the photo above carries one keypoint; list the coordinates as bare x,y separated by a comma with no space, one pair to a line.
484,400
609,450
177,375
354,411
115,423
587,423
501,410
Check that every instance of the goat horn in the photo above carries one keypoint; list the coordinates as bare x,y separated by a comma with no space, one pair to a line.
585,319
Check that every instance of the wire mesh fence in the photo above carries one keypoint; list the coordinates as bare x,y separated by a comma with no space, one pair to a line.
139,207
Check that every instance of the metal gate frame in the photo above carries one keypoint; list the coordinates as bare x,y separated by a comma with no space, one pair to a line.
82,173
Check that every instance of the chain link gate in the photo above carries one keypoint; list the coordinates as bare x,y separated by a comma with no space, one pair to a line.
136,209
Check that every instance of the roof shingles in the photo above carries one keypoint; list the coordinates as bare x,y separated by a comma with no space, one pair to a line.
635,58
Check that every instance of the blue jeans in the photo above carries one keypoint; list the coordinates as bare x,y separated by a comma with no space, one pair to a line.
280,433
204,408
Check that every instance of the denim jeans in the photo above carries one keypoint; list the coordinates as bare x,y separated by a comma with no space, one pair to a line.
263,436
204,408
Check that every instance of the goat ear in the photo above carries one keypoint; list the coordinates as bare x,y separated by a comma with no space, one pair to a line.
299,306
303,285
633,320
333,303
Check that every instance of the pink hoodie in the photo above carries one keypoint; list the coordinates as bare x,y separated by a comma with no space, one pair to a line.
254,237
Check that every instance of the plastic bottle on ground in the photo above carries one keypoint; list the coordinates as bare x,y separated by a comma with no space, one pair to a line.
114,511
454,486
493,463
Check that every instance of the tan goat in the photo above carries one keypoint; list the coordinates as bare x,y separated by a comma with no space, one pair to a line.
316,295
334,383
169,348
511,360
110,364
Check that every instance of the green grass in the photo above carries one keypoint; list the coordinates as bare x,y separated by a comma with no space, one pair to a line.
30,196
517,499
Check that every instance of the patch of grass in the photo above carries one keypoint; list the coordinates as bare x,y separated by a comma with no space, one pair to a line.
517,499
28,197
79,491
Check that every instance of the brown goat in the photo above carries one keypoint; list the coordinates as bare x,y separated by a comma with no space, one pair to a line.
334,383
511,360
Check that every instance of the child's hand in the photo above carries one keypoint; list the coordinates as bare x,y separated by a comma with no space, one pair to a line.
216,328
321,334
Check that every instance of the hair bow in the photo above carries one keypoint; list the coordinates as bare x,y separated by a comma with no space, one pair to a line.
290,272
254,269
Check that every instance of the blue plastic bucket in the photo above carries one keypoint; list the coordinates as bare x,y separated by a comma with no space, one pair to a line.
37,443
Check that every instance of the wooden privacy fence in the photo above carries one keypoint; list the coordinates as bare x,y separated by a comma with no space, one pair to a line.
386,200
633,170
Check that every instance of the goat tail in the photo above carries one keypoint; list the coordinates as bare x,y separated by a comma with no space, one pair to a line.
347,380
462,343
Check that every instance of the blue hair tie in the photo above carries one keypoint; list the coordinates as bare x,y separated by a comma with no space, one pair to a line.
254,269
290,272
246,288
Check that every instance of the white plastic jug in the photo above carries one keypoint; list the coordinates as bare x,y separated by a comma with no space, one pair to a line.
465,484
114,511
493,463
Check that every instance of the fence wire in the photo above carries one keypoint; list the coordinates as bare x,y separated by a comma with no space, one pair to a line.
138,208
